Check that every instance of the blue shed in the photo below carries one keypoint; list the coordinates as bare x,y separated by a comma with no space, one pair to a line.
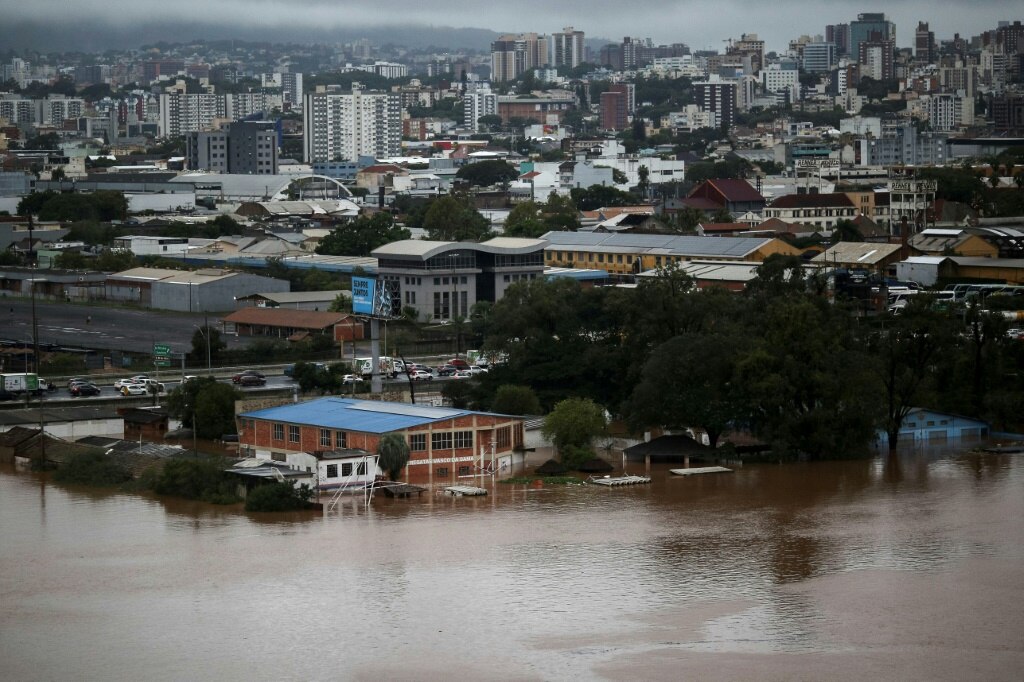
932,426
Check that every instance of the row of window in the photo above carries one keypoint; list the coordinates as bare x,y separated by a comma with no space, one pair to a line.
568,257
441,472
346,469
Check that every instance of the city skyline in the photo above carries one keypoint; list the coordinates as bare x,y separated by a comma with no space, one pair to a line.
84,24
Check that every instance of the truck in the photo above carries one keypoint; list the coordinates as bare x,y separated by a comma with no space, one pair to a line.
387,366
23,382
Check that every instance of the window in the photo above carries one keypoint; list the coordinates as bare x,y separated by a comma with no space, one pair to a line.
325,438
278,432
441,441
441,471
503,438
417,442
332,471
278,457
346,469
463,471
293,434
361,469
463,439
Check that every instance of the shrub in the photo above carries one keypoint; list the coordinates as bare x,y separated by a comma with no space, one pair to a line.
92,468
278,496
203,479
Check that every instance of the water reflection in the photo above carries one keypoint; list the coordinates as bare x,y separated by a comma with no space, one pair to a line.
540,584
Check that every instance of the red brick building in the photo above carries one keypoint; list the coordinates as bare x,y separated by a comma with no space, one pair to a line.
444,443
293,324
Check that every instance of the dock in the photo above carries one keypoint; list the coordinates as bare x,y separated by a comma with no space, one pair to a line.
464,491
700,470
619,480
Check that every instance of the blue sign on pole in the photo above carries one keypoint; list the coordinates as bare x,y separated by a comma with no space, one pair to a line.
363,290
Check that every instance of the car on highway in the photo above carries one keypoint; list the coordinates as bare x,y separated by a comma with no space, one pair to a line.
78,380
420,375
189,377
477,369
133,389
446,371
237,379
351,379
254,379
7,395
121,383
458,363
84,389
462,374
153,384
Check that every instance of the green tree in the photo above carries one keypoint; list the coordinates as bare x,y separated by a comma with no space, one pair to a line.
92,468
181,401
517,400
571,426
215,410
278,496
362,235
207,345
689,381
487,173
114,260
600,196
525,221
453,218
393,453
846,231
903,358
70,260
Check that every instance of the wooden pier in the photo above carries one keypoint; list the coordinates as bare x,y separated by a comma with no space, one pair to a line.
700,470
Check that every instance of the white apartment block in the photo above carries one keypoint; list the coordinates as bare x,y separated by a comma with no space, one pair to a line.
290,84
184,113
344,126
776,79
567,48
52,110
478,101
948,111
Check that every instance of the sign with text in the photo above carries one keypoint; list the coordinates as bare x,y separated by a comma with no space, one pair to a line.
363,290
913,186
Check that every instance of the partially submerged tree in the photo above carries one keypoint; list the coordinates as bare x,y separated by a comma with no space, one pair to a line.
393,453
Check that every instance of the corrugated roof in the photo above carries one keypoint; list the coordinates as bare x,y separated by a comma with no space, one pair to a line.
366,416
867,253
303,296
654,243
424,249
812,201
286,317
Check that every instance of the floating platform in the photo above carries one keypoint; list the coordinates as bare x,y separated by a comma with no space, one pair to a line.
464,491
619,480
700,470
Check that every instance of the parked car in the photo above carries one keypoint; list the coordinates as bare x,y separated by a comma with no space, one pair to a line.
133,389
446,371
83,389
420,375
255,379
237,379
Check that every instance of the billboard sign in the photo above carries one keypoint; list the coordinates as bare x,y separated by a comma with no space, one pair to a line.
363,295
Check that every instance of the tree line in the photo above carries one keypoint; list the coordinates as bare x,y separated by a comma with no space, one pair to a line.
808,376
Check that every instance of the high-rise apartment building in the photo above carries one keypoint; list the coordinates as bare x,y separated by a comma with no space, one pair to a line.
342,126
876,58
925,50
478,101
290,84
567,48
719,96
868,24
243,147
613,111
183,113
514,55
839,35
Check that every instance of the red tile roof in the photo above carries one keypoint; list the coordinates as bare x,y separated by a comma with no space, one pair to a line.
812,201
736,190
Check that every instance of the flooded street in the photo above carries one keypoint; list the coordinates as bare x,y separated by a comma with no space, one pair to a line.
909,568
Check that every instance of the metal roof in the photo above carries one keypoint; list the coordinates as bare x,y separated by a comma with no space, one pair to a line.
869,253
424,249
368,416
302,296
655,243
574,273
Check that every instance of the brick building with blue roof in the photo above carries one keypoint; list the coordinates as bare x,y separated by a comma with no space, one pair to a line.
444,443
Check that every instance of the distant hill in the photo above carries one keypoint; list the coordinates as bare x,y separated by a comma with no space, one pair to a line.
99,36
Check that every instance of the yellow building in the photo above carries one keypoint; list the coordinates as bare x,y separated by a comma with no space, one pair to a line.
625,254
953,242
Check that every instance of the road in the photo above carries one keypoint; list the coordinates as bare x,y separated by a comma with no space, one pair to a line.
104,328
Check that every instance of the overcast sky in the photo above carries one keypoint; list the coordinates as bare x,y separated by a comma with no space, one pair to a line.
700,24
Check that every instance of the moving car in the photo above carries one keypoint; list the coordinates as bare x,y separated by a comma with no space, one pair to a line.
237,379
84,389
133,389
462,374
254,379
121,383
351,379
420,375
446,371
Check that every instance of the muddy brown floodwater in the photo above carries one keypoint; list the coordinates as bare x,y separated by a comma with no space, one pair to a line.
908,568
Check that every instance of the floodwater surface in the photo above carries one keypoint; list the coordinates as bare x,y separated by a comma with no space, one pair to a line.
908,568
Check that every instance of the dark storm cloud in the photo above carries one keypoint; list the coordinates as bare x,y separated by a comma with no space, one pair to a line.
700,24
